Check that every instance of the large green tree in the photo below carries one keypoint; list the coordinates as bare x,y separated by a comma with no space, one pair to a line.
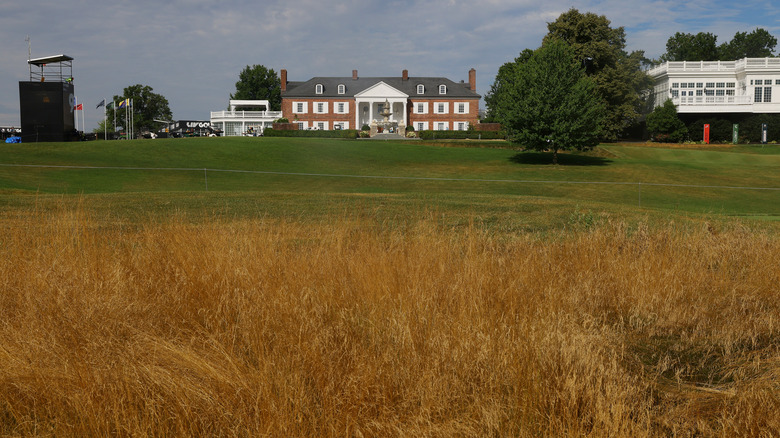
259,83
145,105
703,46
619,78
547,102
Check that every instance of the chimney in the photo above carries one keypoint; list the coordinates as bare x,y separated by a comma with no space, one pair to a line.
283,79
354,75
405,75
473,79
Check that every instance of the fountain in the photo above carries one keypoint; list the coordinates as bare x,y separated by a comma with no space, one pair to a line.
388,126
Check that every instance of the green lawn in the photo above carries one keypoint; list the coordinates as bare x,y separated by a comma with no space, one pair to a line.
291,176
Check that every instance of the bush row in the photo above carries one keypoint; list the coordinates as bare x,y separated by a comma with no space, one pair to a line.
343,133
721,127
462,135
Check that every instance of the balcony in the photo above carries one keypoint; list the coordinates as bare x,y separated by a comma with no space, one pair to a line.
246,115
713,100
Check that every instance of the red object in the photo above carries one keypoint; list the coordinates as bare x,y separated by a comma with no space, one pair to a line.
78,107
707,134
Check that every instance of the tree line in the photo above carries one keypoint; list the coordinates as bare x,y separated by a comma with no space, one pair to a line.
581,86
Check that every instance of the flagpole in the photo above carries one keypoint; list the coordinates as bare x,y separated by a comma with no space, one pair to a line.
105,121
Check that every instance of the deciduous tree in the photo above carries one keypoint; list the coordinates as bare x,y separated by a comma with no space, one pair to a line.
600,48
259,83
548,103
146,107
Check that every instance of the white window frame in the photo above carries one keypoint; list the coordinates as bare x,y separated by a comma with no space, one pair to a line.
341,125
342,88
465,108
417,105
441,107
302,126
318,89
320,125
420,89
441,126
463,125
336,108
317,109
442,89
303,105
421,126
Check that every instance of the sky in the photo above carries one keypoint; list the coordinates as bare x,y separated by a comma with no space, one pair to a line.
191,51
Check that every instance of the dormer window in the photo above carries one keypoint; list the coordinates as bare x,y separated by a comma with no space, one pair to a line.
342,89
442,89
420,89
318,89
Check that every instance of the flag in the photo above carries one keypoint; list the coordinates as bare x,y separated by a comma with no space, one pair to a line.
110,105
124,103
78,107
102,102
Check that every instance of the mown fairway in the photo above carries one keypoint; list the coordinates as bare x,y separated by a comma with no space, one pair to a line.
346,288
612,177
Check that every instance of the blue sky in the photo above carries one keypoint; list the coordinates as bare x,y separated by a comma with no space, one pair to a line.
191,51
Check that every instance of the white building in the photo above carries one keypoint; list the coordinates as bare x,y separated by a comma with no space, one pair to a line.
749,85
237,121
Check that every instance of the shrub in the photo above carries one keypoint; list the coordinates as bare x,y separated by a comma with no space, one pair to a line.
462,135
344,133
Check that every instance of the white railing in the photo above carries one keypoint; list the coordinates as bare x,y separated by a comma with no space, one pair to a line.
713,100
238,115
710,66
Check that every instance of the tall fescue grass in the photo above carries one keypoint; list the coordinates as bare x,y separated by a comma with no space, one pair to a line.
350,328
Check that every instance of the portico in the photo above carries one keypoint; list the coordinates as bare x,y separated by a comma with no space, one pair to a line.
371,101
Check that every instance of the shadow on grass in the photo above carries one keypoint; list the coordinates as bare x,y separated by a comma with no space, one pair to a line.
563,159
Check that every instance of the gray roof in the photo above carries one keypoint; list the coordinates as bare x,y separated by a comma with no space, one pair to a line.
354,86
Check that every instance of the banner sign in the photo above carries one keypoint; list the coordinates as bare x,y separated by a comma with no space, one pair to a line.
707,134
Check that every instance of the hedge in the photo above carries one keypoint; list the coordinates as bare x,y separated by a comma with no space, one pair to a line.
461,135
343,133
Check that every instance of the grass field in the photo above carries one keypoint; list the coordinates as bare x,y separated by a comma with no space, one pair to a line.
614,176
291,303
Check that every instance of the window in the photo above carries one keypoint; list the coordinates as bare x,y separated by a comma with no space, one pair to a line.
342,89
730,84
759,82
441,108
300,107
321,126
462,126
442,89
721,85
729,92
341,107
710,84
420,89
700,92
768,94
709,92
700,85
340,125
675,93
720,92
675,85
441,126
301,126
461,108
421,108
684,85
757,95
318,89
422,126
777,81
320,107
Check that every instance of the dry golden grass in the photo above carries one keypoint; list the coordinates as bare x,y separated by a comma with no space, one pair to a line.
272,328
